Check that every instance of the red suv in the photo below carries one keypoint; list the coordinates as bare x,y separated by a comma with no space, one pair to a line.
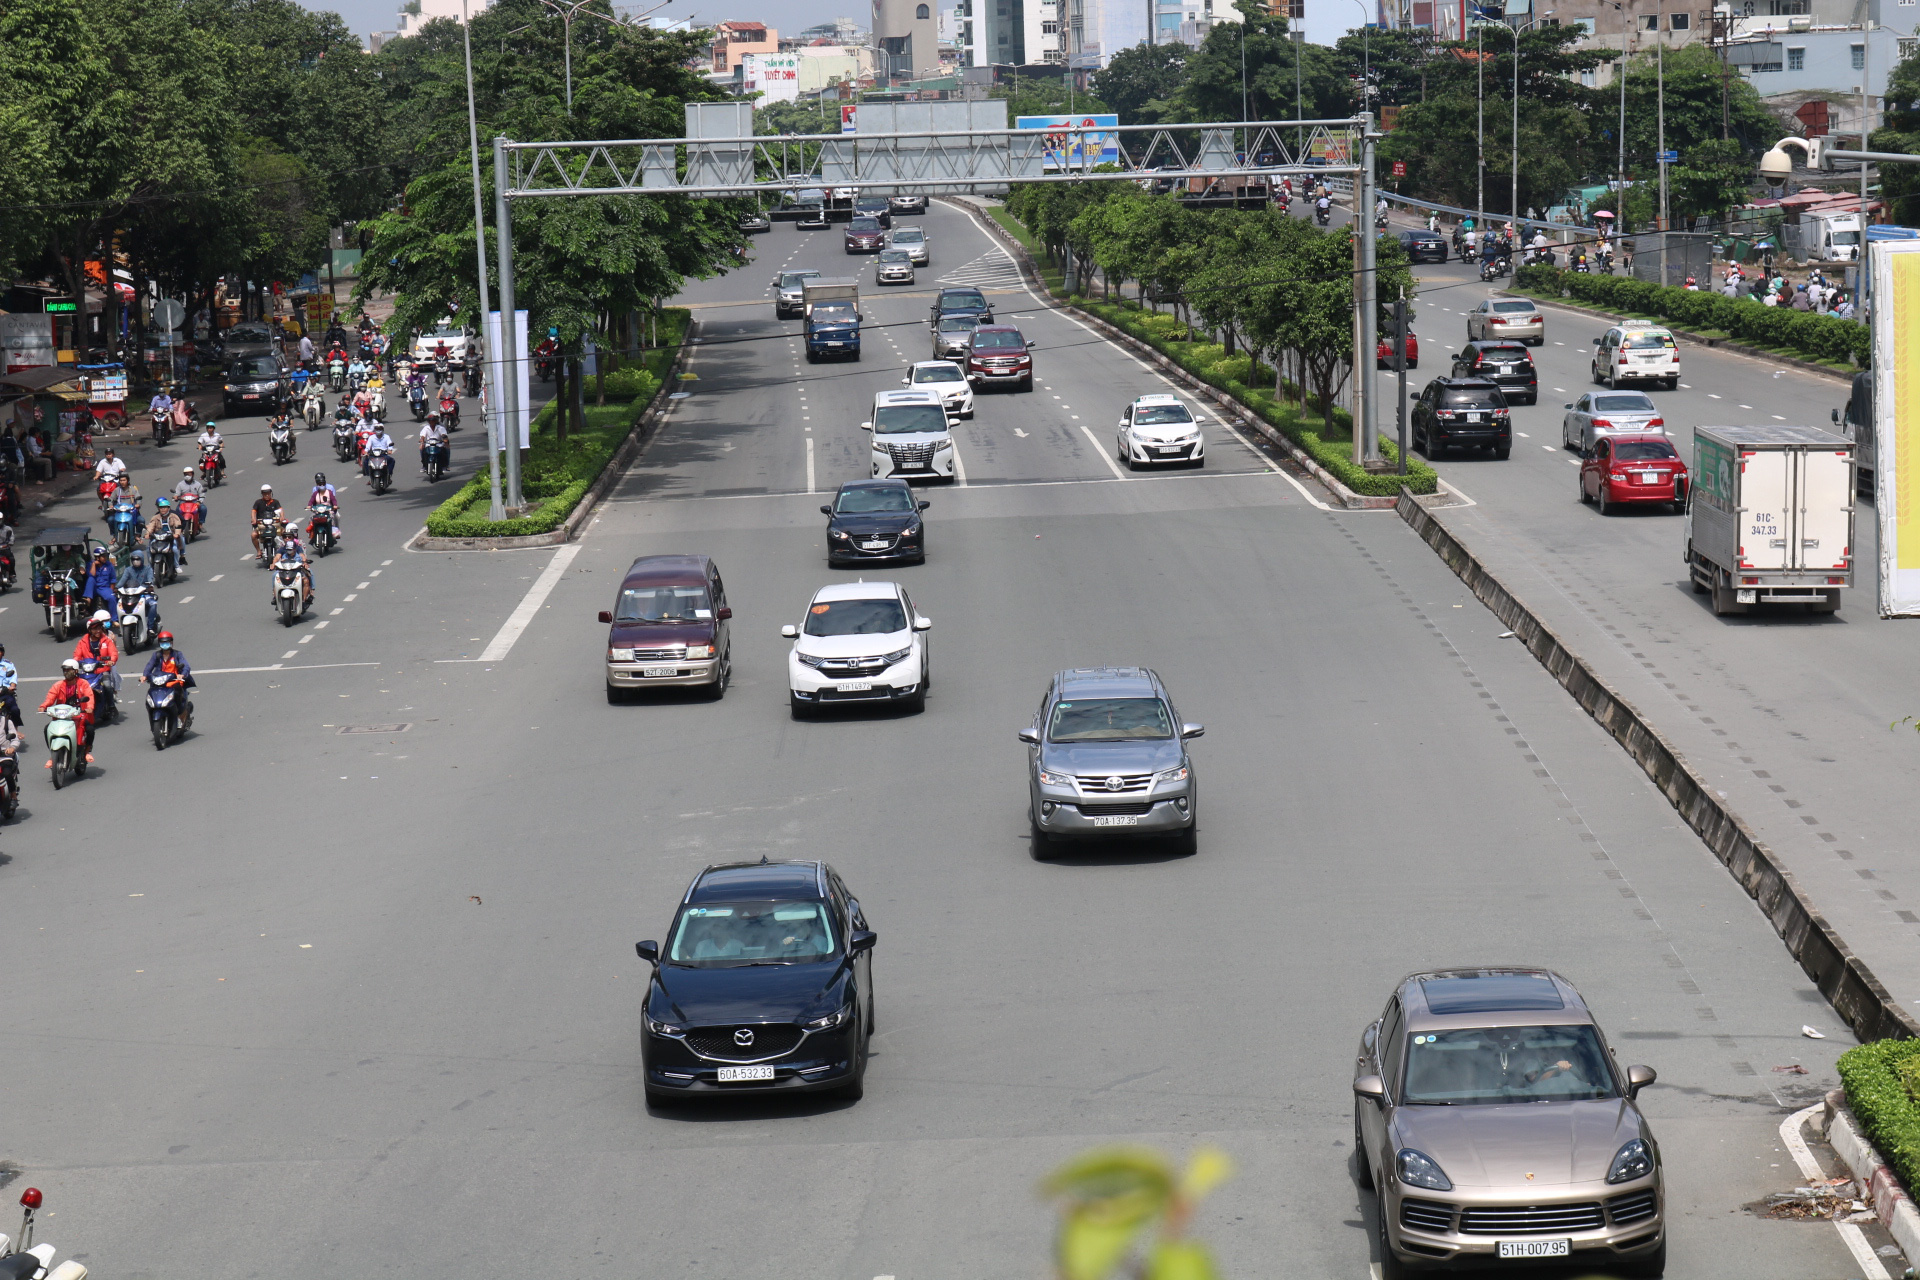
669,628
864,235
997,354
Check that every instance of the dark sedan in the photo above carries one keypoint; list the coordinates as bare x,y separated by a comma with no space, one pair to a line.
874,207
1423,246
1508,364
864,235
962,301
257,384
875,520
764,985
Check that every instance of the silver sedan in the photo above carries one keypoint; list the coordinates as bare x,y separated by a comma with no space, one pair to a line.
1512,319
914,241
1609,413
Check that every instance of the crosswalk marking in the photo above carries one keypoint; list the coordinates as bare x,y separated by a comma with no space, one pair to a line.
991,270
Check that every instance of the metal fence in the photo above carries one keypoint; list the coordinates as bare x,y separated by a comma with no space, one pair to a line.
1669,257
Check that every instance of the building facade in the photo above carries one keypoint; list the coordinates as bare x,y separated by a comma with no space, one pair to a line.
1095,30
906,37
734,40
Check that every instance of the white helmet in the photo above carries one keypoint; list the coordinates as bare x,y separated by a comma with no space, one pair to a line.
70,664
101,615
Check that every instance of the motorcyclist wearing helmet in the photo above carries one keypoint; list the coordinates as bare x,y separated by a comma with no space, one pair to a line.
212,439
96,583
168,668
72,690
189,483
378,443
288,549
139,573
266,511
167,520
9,688
432,434
324,496
99,647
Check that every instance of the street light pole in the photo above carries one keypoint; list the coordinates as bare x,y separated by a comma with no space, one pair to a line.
495,511
508,362
1620,198
1480,134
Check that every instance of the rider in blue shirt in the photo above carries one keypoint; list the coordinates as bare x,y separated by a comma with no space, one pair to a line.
9,688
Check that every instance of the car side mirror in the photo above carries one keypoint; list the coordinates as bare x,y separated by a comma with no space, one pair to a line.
1192,730
1639,1078
606,615
648,951
1836,417
789,632
1566,406
1596,342
1372,1088
1032,343
723,613
1029,735
922,624
925,504
826,511
861,940
907,381
866,426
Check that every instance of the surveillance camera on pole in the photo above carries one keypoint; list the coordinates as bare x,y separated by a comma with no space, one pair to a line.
1777,166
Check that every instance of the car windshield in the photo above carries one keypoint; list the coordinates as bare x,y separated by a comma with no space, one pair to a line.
1643,450
663,604
1644,341
963,302
836,311
1623,404
253,369
736,934
869,205
894,255
863,502
959,324
1109,720
1504,354
1473,400
1482,1066
1513,308
863,224
909,235
1846,237
998,342
905,419
246,333
1157,415
794,279
939,373
856,617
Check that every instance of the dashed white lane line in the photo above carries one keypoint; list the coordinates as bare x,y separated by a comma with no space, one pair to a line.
331,612
305,639
363,586
810,485
1712,396
184,600
317,626
350,597
216,577
1547,447
1746,406
291,653
1778,418
522,616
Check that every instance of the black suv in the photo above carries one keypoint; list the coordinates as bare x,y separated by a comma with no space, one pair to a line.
257,383
1509,364
764,984
964,301
1423,246
1462,411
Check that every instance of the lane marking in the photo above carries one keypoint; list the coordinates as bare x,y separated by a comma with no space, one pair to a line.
810,485
523,615
216,577
1850,1233
1712,396
291,653
182,600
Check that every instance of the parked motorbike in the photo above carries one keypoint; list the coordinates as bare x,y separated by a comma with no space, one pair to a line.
193,514
380,469
313,406
106,707
337,375
437,462
64,756
210,467
164,556
169,714
287,601
280,439
320,529
34,1261
139,618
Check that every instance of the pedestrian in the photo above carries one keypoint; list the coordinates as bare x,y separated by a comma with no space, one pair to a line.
306,351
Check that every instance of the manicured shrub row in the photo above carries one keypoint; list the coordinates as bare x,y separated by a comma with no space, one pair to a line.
1880,1080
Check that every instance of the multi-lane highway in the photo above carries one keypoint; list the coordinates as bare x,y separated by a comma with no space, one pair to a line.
266,1018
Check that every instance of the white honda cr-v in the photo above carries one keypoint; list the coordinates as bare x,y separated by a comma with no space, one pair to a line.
861,642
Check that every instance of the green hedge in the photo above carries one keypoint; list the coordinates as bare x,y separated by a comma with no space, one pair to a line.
1813,337
1320,440
554,477
1880,1079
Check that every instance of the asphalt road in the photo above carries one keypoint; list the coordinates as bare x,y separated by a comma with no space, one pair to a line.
267,1019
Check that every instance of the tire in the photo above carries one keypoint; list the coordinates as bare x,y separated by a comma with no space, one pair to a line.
60,766
918,702
615,697
1501,454
1673,384
801,710
664,1098
1651,1267
1723,601
1606,508
1042,844
288,613
9,801
856,1088
59,628
160,734
1026,384
1390,1266
1187,843
723,678
1362,1167
1580,483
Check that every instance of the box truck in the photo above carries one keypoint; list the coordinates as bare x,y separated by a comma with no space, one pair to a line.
833,317
1770,516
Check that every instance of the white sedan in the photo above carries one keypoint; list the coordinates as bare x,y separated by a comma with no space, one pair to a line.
1159,429
945,379
862,642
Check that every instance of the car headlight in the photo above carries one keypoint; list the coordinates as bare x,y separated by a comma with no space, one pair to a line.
619,655
834,1019
1635,1160
1056,779
898,655
660,1028
811,660
840,534
1170,775
699,651
1417,1170
908,535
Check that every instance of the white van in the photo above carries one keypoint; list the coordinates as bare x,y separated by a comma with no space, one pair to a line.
912,436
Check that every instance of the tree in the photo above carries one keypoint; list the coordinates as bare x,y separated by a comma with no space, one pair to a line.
1139,83
1046,96
1692,75
1216,90
1900,183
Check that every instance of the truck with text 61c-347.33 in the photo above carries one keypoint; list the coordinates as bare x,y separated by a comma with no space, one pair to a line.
833,318
1770,517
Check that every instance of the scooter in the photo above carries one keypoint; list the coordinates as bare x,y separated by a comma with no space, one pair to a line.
123,524
64,756
34,1261
337,375
437,461
376,402
380,470
265,530
138,616
193,514
287,594
164,556
320,529
210,467
281,440
1321,213
162,426
442,371
417,401
344,443
1494,268
449,412
6,569
9,801
1379,219
313,406
106,707
169,714
105,491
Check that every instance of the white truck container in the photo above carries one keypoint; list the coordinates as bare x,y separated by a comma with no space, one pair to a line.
1770,516
1831,237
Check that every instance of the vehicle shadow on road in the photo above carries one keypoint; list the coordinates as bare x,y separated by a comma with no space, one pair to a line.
1771,615
1132,852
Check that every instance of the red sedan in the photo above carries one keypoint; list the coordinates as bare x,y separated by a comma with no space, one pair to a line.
1631,470
1384,355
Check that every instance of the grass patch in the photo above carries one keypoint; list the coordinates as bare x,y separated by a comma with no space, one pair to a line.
1881,1080
555,476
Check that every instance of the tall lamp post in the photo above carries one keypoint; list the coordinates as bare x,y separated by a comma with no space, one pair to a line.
1513,201
495,509
578,8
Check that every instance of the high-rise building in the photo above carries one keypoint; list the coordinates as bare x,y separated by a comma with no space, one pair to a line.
908,39
1013,33
1095,30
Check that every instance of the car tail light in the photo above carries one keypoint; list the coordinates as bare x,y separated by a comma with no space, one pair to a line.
1749,582
1602,422
1658,422
1495,320
1623,356
1676,357
1832,582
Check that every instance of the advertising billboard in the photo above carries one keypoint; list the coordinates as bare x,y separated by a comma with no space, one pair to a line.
1895,266
1070,142
774,76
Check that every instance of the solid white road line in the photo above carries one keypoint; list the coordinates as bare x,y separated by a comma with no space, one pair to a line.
521,617
810,486
1850,1234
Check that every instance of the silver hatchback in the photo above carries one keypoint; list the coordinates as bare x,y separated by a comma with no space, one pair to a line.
1107,756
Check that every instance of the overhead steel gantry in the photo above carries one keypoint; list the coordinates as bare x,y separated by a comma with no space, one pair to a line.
936,148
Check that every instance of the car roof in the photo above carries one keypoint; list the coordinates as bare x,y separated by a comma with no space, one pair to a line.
996,328
666,569
1639,437
861,590
749,880
1468,384
925,364
1493,996
1500,342
960,288
1109,682
1159,397
909,397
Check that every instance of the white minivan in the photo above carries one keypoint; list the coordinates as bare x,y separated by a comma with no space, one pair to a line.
912,436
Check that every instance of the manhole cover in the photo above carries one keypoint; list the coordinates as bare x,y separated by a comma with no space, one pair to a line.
374,728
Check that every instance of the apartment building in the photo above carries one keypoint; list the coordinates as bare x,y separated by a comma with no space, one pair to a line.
733,40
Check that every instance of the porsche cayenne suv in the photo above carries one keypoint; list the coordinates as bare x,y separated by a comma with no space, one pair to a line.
764,985
1496,1127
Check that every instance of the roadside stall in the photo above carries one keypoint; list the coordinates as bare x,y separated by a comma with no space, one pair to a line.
105,386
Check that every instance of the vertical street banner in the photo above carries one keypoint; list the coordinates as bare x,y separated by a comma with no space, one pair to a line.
500,358
1895,266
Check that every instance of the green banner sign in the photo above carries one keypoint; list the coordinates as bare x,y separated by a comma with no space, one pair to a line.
62,307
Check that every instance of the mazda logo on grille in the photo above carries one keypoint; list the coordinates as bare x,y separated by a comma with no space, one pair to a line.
743,1037
1115,783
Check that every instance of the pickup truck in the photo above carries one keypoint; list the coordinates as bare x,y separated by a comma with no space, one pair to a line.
1770,517
833,317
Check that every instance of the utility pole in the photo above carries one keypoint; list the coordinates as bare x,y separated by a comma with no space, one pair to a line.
495,510
1400,376
1366,426
1480,133
1660,74
1866,54
509,360
1620,198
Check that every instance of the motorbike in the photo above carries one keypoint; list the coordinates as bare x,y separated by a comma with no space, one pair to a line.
265,530
280,439
344,443
437,461
65,607
138,618
104,492
337,375
34,1260
162,426
7,573
169,714
357,379
376,403
123,524
64,756
442,371
1379,219
1494,268
1321,214
287,601
380,470
417,401
210,466
449,413
9,801
106,708
9,497
313,406
164,557
193,514
545,365
320,529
